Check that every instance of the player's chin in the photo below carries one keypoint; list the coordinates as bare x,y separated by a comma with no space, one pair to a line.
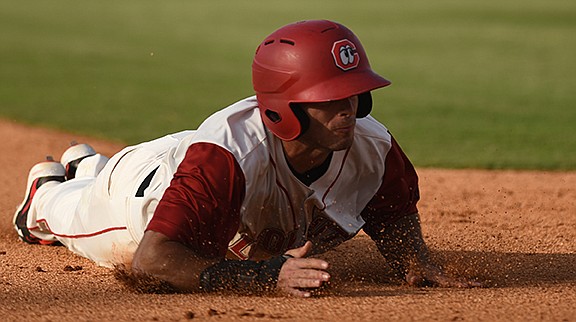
342,143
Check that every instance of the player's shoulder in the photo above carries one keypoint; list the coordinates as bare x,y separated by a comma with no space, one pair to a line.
371,129
237,128
243,109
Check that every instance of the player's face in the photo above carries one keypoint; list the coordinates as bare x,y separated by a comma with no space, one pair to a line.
331,124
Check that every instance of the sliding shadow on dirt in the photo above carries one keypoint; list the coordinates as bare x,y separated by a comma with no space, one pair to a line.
358,269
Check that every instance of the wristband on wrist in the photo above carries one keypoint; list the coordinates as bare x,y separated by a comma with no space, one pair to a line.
243,275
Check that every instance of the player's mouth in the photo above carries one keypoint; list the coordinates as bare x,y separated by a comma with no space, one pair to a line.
344,129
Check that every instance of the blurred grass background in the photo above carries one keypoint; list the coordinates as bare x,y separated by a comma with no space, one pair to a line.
476,83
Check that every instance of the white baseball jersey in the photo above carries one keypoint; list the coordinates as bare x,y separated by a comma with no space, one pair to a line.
226,189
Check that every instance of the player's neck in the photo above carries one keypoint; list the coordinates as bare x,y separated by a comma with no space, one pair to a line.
302,158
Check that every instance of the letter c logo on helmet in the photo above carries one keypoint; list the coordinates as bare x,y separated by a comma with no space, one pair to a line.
345,54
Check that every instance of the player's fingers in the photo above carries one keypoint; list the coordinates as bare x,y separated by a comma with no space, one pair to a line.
302,278
475,284
297,292
309,274
292,277
415,280
306,263
304,283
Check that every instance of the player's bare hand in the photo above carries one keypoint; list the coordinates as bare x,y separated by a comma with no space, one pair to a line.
300,275
431,275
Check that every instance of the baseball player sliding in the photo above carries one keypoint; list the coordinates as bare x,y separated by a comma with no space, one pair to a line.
245,201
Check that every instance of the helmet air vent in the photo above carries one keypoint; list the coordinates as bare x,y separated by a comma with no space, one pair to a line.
287,41
273,116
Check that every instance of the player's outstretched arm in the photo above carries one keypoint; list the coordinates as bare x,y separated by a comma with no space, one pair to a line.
403,246
170,262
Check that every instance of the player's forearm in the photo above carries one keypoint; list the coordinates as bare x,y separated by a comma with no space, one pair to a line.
402,243
416,248
170,262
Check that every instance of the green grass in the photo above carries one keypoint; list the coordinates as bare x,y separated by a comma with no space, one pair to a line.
486,84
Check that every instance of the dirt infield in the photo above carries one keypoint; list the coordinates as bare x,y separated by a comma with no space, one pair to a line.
513,230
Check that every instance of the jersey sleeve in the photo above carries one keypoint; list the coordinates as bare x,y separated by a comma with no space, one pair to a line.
201,207
398,194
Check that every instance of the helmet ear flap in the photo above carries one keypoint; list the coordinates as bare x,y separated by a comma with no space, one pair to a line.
364,105
302,117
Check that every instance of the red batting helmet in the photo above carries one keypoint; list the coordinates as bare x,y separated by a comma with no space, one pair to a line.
305,62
